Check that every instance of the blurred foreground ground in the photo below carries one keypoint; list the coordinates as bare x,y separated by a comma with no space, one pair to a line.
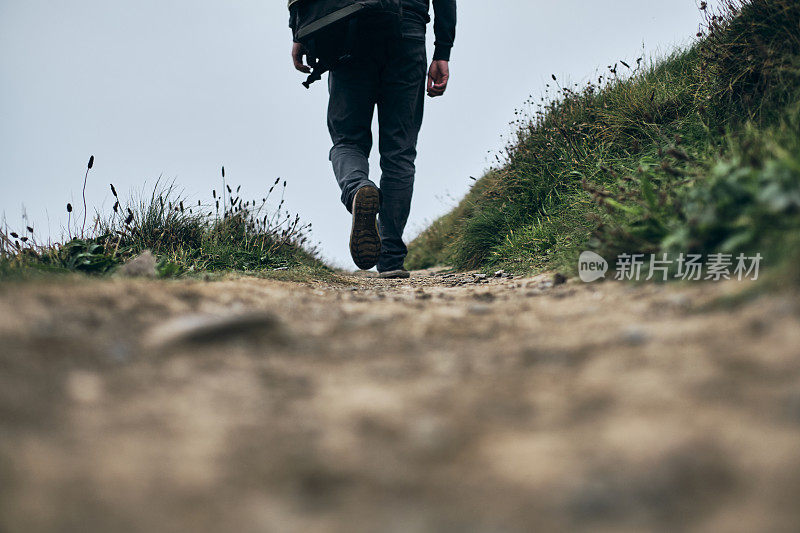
438,404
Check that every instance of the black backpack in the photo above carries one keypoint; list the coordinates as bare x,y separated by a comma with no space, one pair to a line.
329,29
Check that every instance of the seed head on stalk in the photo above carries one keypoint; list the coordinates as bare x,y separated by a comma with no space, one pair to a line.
69,219
224,186
85,179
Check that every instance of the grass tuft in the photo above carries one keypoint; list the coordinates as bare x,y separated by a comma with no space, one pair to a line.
230,234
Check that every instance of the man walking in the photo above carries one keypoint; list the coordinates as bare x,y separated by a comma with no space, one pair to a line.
388,72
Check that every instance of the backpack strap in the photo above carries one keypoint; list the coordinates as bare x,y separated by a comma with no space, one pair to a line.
351,41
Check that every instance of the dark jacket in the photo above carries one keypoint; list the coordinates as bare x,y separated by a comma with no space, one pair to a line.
444,23
444,26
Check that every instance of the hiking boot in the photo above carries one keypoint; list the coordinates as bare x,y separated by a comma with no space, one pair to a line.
365,241
395,274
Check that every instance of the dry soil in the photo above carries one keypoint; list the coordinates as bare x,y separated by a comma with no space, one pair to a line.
433,404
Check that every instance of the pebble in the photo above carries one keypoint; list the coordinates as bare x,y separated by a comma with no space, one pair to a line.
209,328
141,266
480,309
634,336
562,294
84,387
431,437
679,301
119,352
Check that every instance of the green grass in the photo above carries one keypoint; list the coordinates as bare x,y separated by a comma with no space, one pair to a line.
697,152
229,235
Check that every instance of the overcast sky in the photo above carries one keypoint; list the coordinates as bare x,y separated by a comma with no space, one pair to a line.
177,88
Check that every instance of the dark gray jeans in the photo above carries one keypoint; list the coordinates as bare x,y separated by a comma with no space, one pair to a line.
389,72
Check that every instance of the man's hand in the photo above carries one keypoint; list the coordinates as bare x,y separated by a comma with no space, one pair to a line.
298,51
438,76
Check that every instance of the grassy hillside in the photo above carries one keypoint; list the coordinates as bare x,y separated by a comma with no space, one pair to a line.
699,152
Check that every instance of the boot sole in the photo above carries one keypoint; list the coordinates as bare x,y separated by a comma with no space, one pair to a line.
395,274
365,240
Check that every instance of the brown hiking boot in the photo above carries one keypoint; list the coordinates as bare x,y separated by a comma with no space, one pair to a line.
365,241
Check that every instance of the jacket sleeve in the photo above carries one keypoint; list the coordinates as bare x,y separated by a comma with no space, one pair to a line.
444,27
293,22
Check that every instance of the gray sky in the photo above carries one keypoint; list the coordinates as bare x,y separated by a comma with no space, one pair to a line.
180,87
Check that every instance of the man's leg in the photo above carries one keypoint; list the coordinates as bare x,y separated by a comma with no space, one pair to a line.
400,109
353,92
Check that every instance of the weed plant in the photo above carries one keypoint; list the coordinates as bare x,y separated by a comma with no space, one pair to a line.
231,233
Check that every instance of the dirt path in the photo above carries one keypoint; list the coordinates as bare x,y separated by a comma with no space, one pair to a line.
436,404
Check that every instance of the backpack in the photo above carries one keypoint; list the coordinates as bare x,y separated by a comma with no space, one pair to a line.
328,29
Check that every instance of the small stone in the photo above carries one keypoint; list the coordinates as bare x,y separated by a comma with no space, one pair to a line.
536,356
559,279
484,296
84,387
499,274
119,352
679,301
478,278
198,329
431,437
758,326
480,309
634,336
141,266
